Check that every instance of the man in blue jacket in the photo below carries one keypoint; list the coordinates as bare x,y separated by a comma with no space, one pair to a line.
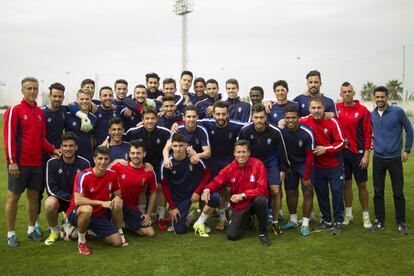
387,124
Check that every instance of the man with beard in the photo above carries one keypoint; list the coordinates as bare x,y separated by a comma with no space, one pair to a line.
153,83
205,107
104,113
170,115
199,91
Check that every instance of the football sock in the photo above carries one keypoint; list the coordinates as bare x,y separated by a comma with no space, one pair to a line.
203,218
30,229
348,211
305,222
294,218
54,229
37,221
81,238
365,214
10,233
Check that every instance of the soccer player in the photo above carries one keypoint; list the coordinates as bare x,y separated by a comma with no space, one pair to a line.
104,114
314,82
300,145
132,180
169,88
329,171
182,184
205,107
256,95
153,83
60,174
90,85
96,197
277,112
170,115
267,144
355,121
199,90
239,110
73,123
121,90
388,122
24,140
246,177
118,149
186,80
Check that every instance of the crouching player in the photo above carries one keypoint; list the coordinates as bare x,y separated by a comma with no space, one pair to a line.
60,173
132,180
247,179
96,198
183,183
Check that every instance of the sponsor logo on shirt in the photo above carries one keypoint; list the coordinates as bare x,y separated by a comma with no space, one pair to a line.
212,132
49,120
233,180
74,124
25,117
91,190
303,105
123,176
274,115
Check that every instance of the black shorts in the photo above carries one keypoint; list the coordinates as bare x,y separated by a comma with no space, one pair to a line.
63,205
29,177
351,164
292,180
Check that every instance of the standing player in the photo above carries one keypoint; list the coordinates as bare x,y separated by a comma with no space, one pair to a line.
182,184
132,180
355,121
256,95
153,83
118,149
199,91
246,177
314,82
205,107
277,111
267,144
239,110
329,171
60,174
24,140
97,197
387,156
121,90
104,113
186,80
170,115
300,145
169,88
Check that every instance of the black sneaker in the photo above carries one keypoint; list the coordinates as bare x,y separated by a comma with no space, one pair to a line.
265,240
376,226
337,229
402,228
276,229
324,225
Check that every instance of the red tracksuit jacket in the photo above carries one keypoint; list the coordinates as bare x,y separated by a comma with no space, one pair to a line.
25,135
356,124
250,179
328,134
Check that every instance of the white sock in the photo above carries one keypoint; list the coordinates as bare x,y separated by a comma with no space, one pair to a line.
222,213
203,218
30,229
81,238
275,222
365,214
10,233
54,229
348,211
120,231
141,208
305,222
294,218
161,212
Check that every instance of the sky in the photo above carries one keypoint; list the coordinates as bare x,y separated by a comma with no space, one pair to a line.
257,42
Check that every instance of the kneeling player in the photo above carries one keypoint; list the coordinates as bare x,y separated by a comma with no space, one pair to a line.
96,198
183,183
132,180
60,173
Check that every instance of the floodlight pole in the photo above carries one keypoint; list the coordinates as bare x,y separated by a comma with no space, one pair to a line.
182,8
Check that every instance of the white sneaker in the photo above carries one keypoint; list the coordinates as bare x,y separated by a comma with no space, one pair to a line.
367,222
348,220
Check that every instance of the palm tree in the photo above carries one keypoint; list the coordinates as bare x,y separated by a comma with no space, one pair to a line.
395,90
367,91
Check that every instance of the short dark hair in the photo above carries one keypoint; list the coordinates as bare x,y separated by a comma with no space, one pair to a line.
381,89
169,80
87,81
68,136
190,108
281,83
152,75
57,86
242,143
168,98
185,72
232,81
317,99
122,81
115,121
200,80
101,150
140,86
177,137
212,81
137,144
314,73
257,88
292,108
346,84
104,88
148,110
221,104
259,107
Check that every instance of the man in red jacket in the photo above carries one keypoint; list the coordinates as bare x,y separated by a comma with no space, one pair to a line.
24,142
329,171
355,121
247,180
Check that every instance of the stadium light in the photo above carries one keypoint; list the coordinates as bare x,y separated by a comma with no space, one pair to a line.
182,8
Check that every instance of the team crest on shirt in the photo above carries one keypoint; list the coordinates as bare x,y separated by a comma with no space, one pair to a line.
212,132
230,135
158,141
303,105
60,171
74,124
190,167
49,120
252,178
91,190
132,117
325,130
110,186
173,172
269,141
356,115
25,117
239,109
100,115
274,115
123,176
233,180
251,136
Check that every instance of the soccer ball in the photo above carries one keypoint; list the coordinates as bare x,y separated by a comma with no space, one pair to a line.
68,232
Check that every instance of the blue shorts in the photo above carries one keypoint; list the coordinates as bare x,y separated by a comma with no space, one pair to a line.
133,218
101,226
292,181
29,177
273,173
351,165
